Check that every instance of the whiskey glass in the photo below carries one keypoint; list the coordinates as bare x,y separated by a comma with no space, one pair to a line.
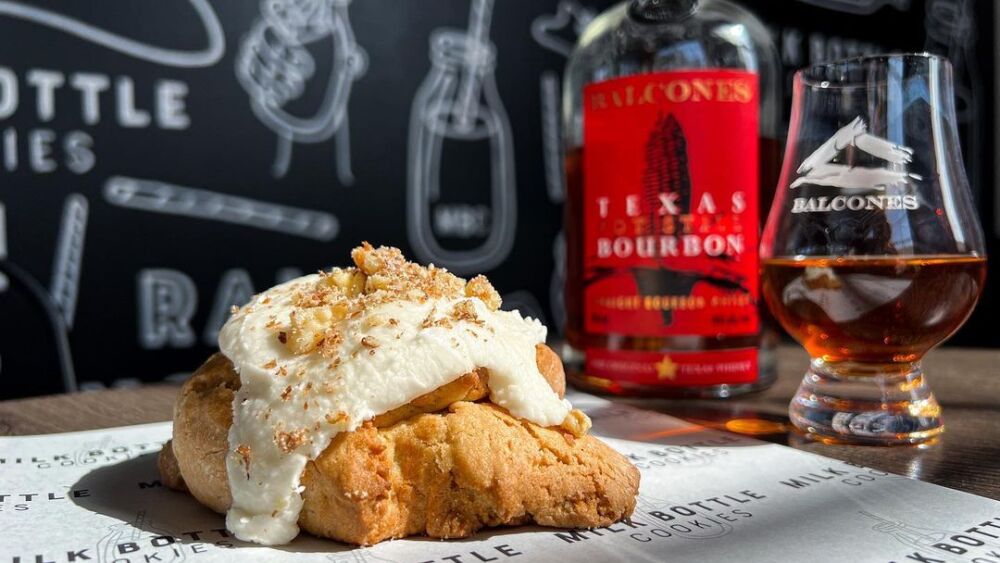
873,252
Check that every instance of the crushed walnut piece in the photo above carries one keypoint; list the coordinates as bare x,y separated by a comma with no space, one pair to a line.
379,276
289,441
341,416
370,342
243,451
481,288
464,311
331,340
576,423
286,393
270,365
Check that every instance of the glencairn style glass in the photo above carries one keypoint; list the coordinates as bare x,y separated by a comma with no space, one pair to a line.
873,252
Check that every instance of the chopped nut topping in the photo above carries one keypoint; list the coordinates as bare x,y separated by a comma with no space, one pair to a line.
310,326
243,451
270,365
289,441
331,340
464,311
480,287
576,423
341,416
379,276
286,393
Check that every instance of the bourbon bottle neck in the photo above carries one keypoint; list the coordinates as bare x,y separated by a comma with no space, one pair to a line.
661,11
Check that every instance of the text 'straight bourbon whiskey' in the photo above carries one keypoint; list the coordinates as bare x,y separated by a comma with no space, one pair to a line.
668,120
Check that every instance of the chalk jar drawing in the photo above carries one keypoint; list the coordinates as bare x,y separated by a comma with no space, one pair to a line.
458,104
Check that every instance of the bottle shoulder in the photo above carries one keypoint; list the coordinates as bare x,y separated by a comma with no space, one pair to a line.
719,34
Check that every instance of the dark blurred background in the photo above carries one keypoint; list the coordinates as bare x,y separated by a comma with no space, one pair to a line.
147,182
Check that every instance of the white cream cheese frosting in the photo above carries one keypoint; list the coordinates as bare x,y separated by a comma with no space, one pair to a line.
307,374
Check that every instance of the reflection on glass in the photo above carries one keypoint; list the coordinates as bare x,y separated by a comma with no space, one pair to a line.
873,253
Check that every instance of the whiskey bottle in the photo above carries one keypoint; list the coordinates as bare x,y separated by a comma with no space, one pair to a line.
670,110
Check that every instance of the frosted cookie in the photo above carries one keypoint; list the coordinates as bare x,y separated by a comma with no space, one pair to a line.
385,400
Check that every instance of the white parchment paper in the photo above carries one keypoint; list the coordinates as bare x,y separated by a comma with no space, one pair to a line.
705,496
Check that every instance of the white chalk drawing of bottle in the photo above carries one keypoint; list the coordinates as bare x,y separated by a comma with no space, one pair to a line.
457,107
549,31
68,262
135,48
862,7
545,29
274,65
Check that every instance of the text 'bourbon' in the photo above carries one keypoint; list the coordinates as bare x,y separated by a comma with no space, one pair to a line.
663,169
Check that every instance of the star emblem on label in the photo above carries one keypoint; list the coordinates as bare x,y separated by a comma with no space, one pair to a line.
665,368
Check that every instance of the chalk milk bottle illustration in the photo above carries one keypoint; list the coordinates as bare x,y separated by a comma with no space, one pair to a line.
457,117
670,110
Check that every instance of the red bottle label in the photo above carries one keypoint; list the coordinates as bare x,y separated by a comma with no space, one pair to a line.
670,168
674,369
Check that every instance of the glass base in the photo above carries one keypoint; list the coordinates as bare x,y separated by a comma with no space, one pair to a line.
871,404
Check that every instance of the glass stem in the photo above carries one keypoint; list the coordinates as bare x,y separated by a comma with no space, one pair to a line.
861,402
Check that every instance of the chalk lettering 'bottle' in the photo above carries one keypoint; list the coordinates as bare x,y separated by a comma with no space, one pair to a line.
670,108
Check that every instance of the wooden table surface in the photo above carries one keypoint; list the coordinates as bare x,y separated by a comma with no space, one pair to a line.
966,457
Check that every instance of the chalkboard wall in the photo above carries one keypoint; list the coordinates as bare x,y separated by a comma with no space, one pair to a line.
162,160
